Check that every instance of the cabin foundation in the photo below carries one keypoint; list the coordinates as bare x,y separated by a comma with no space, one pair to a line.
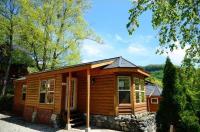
128,123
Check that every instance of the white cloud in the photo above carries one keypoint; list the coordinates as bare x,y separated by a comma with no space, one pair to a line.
137,49
177,55
94,51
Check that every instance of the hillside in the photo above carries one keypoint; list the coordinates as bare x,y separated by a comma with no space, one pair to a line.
156,72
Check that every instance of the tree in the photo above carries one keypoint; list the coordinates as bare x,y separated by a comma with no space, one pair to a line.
53,30
188,96
168,113
176,21
8,13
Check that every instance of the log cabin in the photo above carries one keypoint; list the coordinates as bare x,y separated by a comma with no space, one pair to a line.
109,87
153,96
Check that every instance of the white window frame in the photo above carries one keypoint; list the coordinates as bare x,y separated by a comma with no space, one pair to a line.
46,91
129,78
24,86
139,90
154,102
142,91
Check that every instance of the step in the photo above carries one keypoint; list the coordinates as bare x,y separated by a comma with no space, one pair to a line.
77,124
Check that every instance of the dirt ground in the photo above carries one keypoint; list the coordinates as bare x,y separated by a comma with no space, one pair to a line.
16,124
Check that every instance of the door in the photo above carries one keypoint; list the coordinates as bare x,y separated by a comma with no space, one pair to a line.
73,99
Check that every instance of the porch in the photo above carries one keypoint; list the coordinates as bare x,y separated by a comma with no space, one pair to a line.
75,99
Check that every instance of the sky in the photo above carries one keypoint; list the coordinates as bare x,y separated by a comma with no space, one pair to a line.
108,19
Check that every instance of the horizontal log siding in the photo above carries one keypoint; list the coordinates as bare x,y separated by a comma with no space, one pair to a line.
82,84
58,94
139,108
32,94
18,105
102,94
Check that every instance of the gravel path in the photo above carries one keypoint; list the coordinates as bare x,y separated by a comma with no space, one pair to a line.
16,124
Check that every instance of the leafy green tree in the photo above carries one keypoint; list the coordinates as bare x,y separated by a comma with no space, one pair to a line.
168,113
53,30
8,19
176,21
189,96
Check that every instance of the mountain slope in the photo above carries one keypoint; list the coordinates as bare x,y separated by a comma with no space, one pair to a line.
156,72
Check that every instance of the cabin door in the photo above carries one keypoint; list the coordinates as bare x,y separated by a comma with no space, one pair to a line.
73,99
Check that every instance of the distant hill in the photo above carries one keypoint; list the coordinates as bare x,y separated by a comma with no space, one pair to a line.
156,72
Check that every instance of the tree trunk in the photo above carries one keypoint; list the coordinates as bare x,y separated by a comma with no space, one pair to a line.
10,57
6,77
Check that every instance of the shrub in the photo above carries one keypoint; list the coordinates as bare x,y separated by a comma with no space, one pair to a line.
6,103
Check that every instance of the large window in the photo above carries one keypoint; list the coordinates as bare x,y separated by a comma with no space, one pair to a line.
139,90
47,91
124,89
24,92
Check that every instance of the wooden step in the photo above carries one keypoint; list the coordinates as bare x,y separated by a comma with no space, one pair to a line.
76,118
77,124
124,109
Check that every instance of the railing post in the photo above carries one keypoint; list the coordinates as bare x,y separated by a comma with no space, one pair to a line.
88,102
68,125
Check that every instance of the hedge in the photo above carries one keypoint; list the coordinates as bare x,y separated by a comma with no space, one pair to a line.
6,103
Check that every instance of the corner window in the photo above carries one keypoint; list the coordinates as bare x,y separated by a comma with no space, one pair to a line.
124,89
24,92
139,90
47,91
154,100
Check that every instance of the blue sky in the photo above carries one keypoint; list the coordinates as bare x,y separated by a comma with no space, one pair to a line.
108,18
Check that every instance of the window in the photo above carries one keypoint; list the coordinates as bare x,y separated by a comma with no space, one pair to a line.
139,90
24,92
124,89
154,100
47,91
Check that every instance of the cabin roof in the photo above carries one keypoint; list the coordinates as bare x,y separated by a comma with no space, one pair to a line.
153,90
116,62
120,62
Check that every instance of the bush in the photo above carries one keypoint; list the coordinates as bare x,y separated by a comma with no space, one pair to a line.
6,103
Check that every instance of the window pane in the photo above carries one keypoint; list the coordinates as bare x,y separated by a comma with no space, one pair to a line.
154,100
43,86
142,84
42,97
124,83
50,97
142,97
124,96
136,83
24,89
137,96
51,85
23,96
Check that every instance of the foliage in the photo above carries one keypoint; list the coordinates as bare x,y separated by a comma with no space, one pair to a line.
53,30
154,67
6,102
8,24
188,97
156,72
168,113
177,21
